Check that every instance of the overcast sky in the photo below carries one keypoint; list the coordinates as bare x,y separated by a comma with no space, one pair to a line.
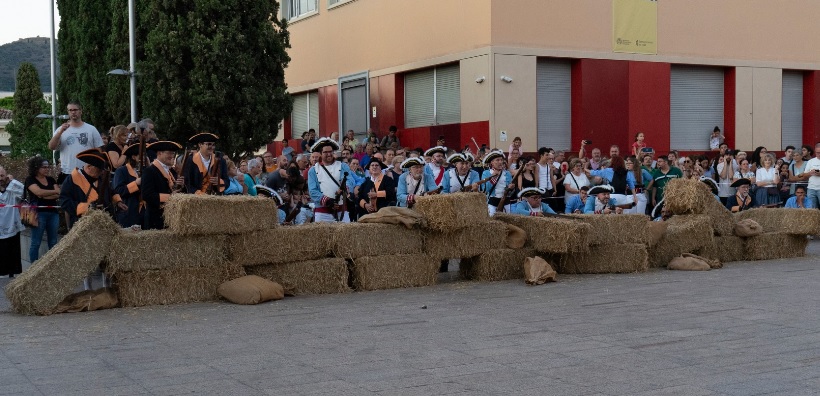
26,18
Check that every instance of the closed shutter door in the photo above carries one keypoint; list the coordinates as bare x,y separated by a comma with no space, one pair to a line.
313,110
696,106
299,117
448,95
553,95
792,117
354,107
419,109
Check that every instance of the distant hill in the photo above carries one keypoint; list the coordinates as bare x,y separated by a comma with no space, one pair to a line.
34,50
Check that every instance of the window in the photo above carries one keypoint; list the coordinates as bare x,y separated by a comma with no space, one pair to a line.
305,113
432,97
791,122
293,9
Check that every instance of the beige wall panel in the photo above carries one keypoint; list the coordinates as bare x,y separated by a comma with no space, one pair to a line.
515,102
768,97
475,98
744,95
376,34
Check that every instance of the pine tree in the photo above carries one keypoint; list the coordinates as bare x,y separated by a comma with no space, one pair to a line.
29,135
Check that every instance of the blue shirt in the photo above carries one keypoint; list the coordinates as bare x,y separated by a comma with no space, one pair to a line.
792,203
589,208
523,208
401,189
609,173
574,204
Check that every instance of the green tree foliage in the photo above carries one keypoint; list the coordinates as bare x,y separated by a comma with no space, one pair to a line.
29,135
216,65
118,88
7,103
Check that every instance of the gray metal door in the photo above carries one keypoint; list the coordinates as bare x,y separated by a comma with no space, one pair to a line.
792,110
696,106
354,107
554,103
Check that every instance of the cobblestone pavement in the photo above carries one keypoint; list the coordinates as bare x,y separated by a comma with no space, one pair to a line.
749,328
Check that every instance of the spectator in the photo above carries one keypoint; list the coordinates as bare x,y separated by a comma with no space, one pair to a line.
350,137
716,140
44,191
358,152
115,146
797,167
807,152
389,154
307,142
813,170
269,165
11,193
546,177
639,144
725,171
252,177
528,178
577,203
744,172
235,187
705,170
766,179
757,157
287,151
799,201
358,173
617,177
368,153
276,180
395,170
784,187
660,177
515,154
302,162
243,166
391,137
787,154
574,181
516,145
642,178
672,158
71,138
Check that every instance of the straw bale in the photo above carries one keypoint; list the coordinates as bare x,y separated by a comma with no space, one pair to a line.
173,285
392,272
615,229
199,214
606,259
323,276
551,234
686,196
656,229
776,245
162,249
496,265
451,212
467,242
282,244
720,218
353,240
684,234
54,276
784,220
724,249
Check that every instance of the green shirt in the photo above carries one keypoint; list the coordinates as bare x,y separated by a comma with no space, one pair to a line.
660,179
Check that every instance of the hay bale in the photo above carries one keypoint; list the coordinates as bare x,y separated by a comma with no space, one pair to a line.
323,276
162,249
173,285
467,242
686,196
451,212
606,259
54,276
282,244
615,229
724,249
684,234
720,218
784,220
496,265
656,229
392,272
776,245
199,214
551,234
353,240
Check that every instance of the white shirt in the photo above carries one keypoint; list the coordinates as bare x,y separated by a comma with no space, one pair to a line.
10,223
73,141
766,175
814,181
544,176
574,182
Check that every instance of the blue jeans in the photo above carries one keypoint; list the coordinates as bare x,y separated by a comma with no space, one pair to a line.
48,222
813,196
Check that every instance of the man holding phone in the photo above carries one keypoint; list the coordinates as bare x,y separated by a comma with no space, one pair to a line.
813,169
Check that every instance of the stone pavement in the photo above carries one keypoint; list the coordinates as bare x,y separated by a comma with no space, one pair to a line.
749,328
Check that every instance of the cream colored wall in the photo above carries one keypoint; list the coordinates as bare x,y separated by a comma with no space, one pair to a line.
758,108
475,97
515,103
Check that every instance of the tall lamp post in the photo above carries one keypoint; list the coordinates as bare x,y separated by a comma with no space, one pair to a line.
132,54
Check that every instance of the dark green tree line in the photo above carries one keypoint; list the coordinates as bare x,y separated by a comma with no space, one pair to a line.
29,135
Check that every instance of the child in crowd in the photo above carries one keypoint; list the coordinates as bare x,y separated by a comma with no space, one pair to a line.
516,145
716,139
639,144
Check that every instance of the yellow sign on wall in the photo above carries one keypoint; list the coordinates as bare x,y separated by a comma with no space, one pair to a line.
635,26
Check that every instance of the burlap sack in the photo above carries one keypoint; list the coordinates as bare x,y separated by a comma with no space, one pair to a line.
656,229
516,237
251,289
747,228
688,264
538,271
395,215
89,300
713,263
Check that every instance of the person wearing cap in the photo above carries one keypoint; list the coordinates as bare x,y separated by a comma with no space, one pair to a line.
459,177
377,191
159,181
206,172
437,166
741,200
267,192
530,204
325,183
500,180
127,197
85,187
601,202
413,183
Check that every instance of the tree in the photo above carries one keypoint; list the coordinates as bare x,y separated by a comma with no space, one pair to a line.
118,89
217,65
7,103
29,135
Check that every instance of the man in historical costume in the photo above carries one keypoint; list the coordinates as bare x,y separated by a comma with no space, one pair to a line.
127,195
741,200
159,181
601,202
325,183
11,193
377,191
530,204
86,187
207,172
413,183
500,180
460,177
267,192
437,166
577,203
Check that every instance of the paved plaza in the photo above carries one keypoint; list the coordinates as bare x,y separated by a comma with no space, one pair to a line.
749,328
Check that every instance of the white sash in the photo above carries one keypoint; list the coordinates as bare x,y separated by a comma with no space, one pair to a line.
326,184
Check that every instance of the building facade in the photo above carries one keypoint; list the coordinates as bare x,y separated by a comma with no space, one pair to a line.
545,71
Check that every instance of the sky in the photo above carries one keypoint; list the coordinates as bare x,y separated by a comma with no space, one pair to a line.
26,18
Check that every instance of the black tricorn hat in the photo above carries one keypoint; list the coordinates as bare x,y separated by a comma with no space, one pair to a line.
94,157
203,137
741,182
165,145
133,149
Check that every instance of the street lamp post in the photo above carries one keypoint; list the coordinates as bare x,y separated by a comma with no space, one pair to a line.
53,75
132,55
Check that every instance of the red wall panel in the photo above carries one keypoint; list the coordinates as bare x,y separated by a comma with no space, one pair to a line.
456,136
600,104
649,105
811,107
729,106
328,110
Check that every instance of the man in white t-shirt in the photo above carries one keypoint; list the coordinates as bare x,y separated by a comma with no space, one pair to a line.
813,169
546,176
71,138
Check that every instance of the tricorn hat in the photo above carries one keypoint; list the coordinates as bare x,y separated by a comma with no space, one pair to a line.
94,157
164,145
436,149
741,182
603,188
406,164
376,161
268,192
203,137
133,149
711,183
325,141
491,156
457,157
530,191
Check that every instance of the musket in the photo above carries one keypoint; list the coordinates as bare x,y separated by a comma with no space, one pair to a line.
341,195
507,190
469,187
293,213
185,157
434,192
215,171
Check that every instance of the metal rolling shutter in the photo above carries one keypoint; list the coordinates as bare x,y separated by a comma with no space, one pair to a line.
696,106
299,117
313,111
791,125
553,93
448,95
419,91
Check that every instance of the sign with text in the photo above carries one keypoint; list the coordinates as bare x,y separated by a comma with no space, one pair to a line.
635,26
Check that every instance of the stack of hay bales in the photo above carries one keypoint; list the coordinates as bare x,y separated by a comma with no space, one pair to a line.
617,244
785,232
684,234
39,290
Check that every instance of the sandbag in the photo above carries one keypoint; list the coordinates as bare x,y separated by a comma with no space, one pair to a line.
516,237
538,271
748,228
251,289
713,263
688,264
89,300
395,215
